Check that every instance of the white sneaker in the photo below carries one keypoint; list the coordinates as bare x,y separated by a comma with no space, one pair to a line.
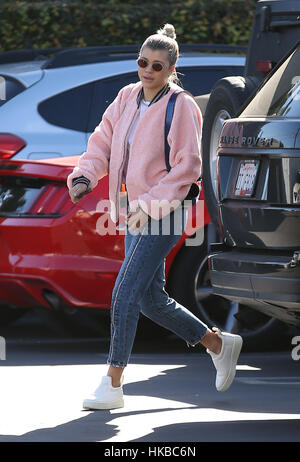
105,396
225,361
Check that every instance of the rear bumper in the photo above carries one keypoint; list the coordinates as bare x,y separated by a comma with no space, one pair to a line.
267,281
33,291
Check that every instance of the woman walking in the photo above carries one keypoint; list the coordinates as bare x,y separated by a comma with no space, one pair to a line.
129,145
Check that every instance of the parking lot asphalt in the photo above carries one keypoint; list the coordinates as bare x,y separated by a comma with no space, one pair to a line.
169,395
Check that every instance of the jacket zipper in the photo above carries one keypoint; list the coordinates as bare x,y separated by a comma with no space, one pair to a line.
123,161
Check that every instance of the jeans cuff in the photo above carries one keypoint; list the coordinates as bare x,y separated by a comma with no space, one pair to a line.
115,364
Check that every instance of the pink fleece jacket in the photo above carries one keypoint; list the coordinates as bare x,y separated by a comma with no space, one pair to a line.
148,182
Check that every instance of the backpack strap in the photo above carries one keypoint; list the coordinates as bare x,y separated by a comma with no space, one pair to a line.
168,121
194,189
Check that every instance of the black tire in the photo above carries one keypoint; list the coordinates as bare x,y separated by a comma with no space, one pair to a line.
226,98
189,284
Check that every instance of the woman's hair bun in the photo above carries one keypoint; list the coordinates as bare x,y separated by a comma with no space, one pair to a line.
168,30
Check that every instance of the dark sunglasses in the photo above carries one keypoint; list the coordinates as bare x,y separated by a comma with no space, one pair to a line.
157,67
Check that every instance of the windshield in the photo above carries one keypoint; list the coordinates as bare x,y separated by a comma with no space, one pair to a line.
280,96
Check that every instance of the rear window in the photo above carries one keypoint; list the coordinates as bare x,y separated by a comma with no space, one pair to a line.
69,109
9,88
32,197
17,195
280,96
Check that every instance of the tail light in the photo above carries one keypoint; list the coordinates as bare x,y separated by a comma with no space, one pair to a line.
27,197
10,145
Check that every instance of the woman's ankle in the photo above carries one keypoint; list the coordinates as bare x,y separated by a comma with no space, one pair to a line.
116,374
212,342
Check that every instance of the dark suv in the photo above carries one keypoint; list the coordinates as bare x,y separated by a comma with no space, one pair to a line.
275,30
258,191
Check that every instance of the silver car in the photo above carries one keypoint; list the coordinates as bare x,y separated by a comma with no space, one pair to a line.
50,106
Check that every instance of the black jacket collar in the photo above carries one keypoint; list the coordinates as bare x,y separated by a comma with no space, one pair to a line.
157,97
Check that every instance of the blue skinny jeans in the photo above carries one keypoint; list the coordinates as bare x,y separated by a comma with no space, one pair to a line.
139,288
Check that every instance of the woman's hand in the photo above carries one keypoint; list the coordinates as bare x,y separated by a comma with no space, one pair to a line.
136,220
77,192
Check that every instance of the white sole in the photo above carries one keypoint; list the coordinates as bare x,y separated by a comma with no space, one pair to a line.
235,352
91,404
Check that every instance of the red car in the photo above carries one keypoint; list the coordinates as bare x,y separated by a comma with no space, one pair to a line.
52,253
53,258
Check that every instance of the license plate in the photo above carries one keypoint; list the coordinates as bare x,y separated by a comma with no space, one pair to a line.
246,178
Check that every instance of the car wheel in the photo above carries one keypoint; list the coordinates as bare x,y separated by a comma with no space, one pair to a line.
189,284
226,98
